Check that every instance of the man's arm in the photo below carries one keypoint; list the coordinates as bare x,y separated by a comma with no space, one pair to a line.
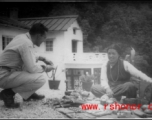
29,60
45,60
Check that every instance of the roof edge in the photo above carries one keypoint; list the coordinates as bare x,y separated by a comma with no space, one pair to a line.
14,26
11,21
57,30
69,16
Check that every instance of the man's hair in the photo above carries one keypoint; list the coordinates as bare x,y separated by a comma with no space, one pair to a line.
38,28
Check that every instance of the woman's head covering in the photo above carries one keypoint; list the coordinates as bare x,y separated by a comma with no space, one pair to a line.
116,47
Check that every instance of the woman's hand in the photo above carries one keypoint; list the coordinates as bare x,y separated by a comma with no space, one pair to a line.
109,92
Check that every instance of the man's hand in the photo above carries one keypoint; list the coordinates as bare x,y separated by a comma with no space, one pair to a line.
46,61
48,68
109,92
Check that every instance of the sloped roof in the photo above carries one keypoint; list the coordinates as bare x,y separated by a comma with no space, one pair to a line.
56,23
11,22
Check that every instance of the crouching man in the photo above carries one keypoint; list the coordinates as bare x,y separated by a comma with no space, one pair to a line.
18,53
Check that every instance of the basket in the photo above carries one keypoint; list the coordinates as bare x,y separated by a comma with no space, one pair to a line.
54,84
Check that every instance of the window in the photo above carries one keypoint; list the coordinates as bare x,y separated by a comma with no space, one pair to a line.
74,31
49,45
72,76
74,46
5,41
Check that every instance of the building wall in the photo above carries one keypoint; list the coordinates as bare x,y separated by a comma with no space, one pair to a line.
83,66
69,36
82,60
9,31
62,46
56,56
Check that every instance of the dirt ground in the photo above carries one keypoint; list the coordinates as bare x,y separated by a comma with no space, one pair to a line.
32,109
37,109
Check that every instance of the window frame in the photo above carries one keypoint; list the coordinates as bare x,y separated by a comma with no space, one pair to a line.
76,48
6,40
75,30
47,47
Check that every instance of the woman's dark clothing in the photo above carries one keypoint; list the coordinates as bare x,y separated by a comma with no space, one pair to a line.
127,89
119,82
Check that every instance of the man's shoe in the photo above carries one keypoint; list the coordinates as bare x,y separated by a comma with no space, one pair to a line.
9,100
0,96
35,97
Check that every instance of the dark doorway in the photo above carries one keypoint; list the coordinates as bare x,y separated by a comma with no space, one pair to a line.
73,74
74,46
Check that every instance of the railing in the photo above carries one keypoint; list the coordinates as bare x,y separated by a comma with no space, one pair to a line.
86,57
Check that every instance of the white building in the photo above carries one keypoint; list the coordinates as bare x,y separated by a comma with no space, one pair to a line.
64,47
9,28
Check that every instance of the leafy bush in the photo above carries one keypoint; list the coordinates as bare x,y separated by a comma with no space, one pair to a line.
141,63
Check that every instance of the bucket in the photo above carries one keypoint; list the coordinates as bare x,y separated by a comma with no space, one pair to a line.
54,84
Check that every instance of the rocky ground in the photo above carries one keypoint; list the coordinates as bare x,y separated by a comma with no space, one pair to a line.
32,109
37,109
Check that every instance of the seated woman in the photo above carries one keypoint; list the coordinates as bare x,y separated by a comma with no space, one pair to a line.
115,76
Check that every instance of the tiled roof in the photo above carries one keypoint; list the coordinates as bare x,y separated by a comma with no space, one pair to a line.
11,22
61,23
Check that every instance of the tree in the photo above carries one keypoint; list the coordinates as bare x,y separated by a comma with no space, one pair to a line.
104,24
63,9
129,26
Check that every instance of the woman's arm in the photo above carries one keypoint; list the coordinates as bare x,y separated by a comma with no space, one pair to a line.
135,72
103,78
